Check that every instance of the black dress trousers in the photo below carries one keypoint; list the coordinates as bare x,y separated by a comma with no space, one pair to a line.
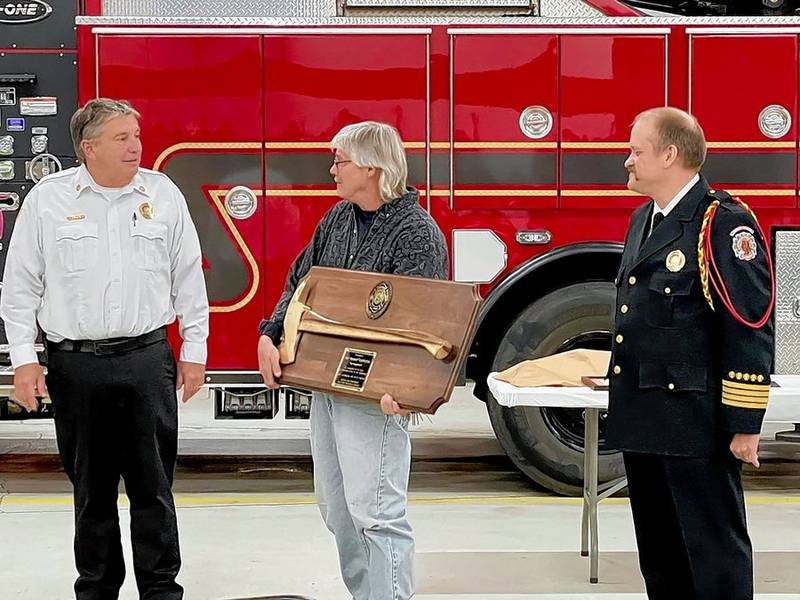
116,416
691,527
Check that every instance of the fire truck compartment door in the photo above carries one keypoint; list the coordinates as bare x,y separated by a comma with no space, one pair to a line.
748,113
504,120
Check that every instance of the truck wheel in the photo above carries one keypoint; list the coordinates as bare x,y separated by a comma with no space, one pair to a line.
547,443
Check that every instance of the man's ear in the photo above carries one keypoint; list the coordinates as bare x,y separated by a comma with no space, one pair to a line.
670,155
87,148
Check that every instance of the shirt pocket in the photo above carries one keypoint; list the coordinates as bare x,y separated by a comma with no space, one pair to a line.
150,245
78,246
670,299
673,377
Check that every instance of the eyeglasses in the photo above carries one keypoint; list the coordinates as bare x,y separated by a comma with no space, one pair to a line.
336,163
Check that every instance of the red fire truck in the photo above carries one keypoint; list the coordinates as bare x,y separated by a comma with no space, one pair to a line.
516,130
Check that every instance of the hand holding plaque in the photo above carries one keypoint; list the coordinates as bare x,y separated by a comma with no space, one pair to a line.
365,334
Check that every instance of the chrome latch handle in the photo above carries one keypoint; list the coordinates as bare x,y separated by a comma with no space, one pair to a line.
42,165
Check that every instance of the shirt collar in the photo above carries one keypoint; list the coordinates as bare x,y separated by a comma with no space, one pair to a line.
674,202
83,181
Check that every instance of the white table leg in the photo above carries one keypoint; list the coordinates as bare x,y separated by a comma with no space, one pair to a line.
585,506
590,476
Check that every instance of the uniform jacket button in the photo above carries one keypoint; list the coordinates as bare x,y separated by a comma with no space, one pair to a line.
619,338
671,386
623,309
632,280
617,370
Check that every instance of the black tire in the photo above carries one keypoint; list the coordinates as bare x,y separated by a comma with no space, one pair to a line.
547,444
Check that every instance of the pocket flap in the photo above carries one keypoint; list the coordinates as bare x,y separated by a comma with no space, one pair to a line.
76,231
681,376
149,230
673,284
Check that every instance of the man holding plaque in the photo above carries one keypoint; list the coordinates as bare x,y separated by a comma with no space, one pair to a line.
690,367
359,446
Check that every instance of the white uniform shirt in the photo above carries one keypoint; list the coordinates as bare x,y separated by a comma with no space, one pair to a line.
674,202
90,263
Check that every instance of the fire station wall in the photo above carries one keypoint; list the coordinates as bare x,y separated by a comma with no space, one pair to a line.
743,90
495,78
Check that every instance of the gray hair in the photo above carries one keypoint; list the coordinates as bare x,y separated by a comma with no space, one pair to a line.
376,145
86,121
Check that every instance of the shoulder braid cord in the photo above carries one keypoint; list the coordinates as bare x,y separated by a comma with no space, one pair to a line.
710,273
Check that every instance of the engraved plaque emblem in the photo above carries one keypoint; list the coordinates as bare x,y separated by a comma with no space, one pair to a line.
379,299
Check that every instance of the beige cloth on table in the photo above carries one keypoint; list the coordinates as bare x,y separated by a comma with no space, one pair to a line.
565,369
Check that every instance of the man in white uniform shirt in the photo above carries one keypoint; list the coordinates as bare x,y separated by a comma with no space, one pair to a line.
103,256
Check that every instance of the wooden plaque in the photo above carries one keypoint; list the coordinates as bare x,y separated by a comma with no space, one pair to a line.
361,335
595,383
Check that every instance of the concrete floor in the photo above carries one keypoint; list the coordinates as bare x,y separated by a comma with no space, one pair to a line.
482,531
477,546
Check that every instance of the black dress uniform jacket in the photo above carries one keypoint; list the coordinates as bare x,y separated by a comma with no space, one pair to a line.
684,377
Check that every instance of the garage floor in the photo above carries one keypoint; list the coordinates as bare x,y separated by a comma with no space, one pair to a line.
251,528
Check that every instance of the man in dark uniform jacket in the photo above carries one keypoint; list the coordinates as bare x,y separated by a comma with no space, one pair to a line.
689,383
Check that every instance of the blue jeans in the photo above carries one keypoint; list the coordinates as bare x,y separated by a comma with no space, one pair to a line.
362,460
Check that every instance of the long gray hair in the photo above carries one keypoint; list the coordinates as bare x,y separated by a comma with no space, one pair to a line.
376,145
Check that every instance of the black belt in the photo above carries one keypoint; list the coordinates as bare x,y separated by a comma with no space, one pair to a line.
109,346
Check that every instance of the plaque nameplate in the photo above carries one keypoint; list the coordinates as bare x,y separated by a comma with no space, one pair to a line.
353,370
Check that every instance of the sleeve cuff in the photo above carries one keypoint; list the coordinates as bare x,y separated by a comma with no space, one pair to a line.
744,420
744,398
194,352
272,330
23,355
